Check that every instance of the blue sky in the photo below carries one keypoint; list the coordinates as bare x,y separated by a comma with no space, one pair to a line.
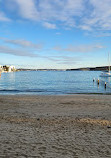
53,34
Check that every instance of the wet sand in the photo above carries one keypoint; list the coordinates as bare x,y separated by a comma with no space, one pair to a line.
72,126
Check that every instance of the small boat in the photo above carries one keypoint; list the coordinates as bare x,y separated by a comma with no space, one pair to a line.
106,74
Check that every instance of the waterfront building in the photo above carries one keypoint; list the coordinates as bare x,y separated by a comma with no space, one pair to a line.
7,68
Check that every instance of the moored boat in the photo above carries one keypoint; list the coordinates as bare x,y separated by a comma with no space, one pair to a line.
106,74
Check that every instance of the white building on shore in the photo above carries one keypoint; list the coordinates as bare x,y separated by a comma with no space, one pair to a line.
11,68
7,68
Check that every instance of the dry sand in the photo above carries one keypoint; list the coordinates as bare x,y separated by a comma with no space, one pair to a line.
74,126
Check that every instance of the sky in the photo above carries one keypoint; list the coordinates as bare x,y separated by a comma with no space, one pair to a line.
55,34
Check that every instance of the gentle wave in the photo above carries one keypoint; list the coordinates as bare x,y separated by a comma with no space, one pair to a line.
27,90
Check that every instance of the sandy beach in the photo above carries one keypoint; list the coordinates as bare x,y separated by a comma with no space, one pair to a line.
69,126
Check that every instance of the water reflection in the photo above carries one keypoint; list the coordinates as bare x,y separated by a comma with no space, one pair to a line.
109,79
11,76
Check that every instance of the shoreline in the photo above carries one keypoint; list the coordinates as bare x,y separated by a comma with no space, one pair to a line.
55,126
67,94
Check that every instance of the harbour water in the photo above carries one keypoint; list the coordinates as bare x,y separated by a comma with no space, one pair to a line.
53,83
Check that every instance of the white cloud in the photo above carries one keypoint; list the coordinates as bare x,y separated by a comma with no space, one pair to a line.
80,48
27,9
103,34
3,17
48,11
83,14
17,52
85,27
99,17
25,47
24,53
49,25
23,43
65,60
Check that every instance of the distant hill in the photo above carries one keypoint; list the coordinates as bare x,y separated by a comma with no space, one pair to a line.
102,68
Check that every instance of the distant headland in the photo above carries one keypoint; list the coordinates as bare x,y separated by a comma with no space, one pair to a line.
7,68
102,68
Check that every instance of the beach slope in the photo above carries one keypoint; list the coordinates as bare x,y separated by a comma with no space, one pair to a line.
70,126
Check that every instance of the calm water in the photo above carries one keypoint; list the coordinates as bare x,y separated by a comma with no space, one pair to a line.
52,82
